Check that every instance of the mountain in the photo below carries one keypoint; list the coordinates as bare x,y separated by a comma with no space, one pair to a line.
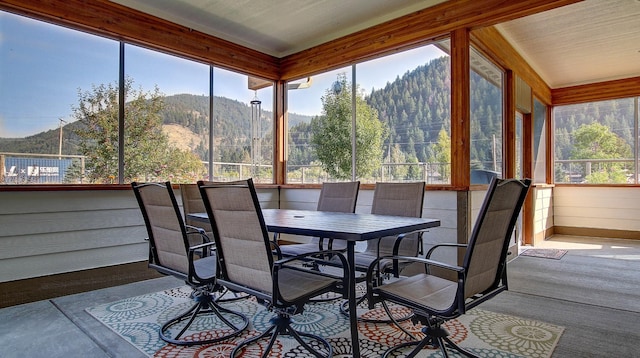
185,119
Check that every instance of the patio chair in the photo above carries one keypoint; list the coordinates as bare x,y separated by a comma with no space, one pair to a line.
397,199
192,203
335,197
171,253
482,275
245,254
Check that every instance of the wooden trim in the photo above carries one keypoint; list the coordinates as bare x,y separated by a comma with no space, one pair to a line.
528,209
489,40
628,87
509,135
281,131
106,18
42,288
460,109
550,150
410,31
593,232
63,187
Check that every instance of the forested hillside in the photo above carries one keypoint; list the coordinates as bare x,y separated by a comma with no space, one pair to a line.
415,108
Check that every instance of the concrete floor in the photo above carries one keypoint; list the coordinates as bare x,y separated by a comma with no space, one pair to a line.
593,291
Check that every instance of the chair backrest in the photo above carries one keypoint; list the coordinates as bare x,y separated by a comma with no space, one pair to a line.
398,199
485,258
192,203
240,234
339,197
168,241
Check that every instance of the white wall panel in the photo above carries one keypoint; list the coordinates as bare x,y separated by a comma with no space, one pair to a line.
544,212
597,207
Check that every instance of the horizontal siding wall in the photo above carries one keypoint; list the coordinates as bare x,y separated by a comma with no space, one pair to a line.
50,232
611,208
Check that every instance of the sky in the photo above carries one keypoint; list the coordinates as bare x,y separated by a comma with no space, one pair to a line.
43,67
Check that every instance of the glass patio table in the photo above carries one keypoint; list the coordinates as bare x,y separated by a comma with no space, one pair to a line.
352,227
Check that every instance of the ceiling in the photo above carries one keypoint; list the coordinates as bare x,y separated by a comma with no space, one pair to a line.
591,41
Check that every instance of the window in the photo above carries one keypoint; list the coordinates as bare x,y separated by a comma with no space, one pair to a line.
486,119
410,92
403,124
166,117
594,142
242,127
42,69
306,102
60,112
539,142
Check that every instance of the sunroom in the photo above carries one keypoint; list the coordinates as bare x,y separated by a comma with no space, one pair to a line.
446,92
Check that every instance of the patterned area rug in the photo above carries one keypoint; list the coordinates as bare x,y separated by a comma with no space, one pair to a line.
555,254
484,333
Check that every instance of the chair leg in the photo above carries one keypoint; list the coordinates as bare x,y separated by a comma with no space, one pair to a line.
205,304
282,326
463,351
344,308
435,336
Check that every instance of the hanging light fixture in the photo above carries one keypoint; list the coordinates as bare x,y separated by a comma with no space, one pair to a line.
256,135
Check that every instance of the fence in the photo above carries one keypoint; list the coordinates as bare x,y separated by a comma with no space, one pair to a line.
596,171
27,168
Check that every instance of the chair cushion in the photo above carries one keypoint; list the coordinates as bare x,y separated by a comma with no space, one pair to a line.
206,267
298,249
297,285
424,290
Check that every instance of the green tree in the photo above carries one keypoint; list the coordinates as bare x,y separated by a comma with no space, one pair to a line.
331,133
596,141
442,154
148,154
398,157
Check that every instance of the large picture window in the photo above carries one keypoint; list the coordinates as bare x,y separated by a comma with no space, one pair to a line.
486,118
166,117
43,68
594,142
402,120
242,127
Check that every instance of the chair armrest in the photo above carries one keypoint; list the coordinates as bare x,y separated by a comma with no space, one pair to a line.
426,262
197,248
276,249
192,251
433,248
396,247
194,230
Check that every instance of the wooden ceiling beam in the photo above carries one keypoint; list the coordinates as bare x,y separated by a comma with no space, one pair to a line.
601,91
